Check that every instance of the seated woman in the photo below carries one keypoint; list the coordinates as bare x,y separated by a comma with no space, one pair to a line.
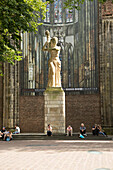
101,131
49,130
83,130
69,130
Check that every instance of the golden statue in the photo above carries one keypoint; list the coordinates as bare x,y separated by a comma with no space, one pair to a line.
54,63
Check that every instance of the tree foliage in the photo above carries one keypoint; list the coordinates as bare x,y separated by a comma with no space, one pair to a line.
17,16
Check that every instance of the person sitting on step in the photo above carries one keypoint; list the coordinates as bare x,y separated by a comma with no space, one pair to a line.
17,130
95,130
8,135
49,130
83,130
69,130
2,132
101,131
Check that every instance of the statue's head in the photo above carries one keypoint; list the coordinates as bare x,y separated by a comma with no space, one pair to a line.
54,41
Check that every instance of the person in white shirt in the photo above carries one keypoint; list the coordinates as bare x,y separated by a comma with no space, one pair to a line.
17,130
69,130
49,130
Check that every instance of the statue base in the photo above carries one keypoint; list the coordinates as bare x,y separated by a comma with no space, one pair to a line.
54,98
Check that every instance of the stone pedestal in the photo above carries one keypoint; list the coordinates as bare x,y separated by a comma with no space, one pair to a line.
55,109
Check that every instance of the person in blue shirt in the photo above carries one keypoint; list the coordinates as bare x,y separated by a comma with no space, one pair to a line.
83,130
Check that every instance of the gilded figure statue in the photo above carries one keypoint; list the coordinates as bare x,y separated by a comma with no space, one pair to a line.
54,63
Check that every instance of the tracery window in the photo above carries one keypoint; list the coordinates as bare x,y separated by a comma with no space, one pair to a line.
69,15
47,19
79,43
58,11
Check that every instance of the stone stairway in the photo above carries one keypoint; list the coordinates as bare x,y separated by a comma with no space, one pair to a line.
41,136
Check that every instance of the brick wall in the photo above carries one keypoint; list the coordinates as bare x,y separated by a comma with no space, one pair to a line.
1,102
79,108
82,108
32,114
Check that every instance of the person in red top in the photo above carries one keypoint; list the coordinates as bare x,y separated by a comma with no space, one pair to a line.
69,130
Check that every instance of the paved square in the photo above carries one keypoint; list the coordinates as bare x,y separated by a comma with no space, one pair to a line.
56,155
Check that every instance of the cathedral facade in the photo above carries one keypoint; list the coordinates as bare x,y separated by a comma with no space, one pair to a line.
86,41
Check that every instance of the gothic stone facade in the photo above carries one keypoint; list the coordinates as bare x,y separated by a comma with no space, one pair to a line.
28,110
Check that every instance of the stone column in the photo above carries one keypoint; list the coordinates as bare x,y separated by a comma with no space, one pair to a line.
55,109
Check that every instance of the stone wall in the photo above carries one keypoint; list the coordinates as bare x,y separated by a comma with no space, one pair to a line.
32,114
1,101
79,108
106,62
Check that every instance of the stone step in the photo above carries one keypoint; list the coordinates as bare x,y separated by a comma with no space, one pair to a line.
58,137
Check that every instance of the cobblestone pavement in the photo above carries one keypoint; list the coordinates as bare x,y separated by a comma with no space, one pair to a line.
56,155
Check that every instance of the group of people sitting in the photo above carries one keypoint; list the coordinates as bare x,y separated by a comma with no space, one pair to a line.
7,134
96,130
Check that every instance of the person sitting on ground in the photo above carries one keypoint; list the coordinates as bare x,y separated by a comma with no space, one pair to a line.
95,130
101,131
2,132
17,130
8,135
83,130
49,130
69,130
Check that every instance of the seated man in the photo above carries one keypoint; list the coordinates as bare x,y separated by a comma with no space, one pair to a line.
69,130
49,130
95,130
2,132
83,129
17,130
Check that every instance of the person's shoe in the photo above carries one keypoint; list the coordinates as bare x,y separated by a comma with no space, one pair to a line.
85,134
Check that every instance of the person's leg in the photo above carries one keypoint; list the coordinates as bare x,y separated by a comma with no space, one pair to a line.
67,133
93,131
105,133
96,132
2,136
81,132
5,136
71,132
102,133
84,132
49,133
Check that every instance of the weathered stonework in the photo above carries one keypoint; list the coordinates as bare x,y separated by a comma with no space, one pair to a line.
11,95
106,62
54,109
1,101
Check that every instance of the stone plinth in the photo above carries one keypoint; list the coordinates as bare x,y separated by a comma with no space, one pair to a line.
54,99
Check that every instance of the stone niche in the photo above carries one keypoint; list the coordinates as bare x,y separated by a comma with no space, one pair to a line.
54,109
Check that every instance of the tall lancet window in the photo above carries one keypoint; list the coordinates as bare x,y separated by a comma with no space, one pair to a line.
58,11
47,19
69,15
